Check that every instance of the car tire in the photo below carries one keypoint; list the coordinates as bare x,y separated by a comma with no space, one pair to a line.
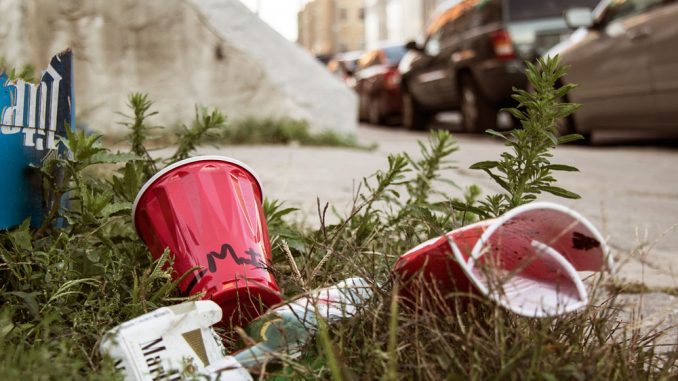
477,113
414,118
362,108
374,114
566,126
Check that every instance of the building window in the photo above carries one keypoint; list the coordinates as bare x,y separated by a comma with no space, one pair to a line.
361,14
343,14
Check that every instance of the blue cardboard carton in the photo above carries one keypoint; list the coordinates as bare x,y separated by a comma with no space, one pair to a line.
33,119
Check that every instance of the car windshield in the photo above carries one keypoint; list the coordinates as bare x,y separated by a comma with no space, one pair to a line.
394,53
523,10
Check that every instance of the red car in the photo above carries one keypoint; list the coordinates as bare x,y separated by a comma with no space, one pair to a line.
377,82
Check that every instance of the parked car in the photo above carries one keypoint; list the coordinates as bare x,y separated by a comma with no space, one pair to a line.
473,56
377,82
344,65
625,60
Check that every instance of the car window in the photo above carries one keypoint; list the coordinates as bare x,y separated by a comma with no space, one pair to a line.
486,12
618,9
525,10
394,54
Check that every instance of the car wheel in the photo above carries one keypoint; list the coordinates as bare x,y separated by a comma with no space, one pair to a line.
477,113
566,126
375,116
362,107
414,118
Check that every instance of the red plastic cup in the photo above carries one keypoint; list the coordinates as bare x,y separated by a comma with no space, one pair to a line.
208,211
526,260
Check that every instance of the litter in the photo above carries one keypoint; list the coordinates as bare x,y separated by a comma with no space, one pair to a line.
169,341
287,328
526,260
174,341
208,211
33,118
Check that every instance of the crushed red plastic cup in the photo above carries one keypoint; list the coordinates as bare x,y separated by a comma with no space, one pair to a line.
526,260
208,212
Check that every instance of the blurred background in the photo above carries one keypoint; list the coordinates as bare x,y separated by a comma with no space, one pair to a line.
409,61
334,63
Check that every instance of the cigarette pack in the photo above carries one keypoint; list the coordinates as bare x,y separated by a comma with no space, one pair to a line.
170,343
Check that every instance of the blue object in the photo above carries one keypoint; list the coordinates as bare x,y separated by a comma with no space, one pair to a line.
33,118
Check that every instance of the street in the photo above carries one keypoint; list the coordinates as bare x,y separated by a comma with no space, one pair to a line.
628,190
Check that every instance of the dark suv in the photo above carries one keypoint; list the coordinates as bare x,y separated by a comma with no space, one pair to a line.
473,55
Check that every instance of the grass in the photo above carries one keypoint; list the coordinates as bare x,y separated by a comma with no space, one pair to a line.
283,131
62,288
219,131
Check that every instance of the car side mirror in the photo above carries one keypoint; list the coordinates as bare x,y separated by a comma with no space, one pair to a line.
412,45
579,17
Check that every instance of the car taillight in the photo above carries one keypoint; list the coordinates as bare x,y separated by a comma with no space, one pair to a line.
503,46
392,79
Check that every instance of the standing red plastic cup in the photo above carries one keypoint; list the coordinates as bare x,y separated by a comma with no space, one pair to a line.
208,211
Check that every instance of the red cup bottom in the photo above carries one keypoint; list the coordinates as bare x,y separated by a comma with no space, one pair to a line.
243,305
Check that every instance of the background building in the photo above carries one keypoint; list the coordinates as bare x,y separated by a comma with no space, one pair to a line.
396,20
327,27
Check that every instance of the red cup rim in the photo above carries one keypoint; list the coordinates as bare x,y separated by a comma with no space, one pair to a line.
191,160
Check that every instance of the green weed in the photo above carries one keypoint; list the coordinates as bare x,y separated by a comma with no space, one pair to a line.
26,72
525,171
248,131
282,131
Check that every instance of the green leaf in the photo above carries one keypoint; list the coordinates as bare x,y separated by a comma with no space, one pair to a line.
117,207
496,133
464,207
502,183
485,165
29,300
21,238
570,138
557,191
562,167
516,113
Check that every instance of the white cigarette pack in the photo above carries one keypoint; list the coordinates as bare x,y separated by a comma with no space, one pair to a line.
169,344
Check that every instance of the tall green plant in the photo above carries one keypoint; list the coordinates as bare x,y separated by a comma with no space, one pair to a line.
525,169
